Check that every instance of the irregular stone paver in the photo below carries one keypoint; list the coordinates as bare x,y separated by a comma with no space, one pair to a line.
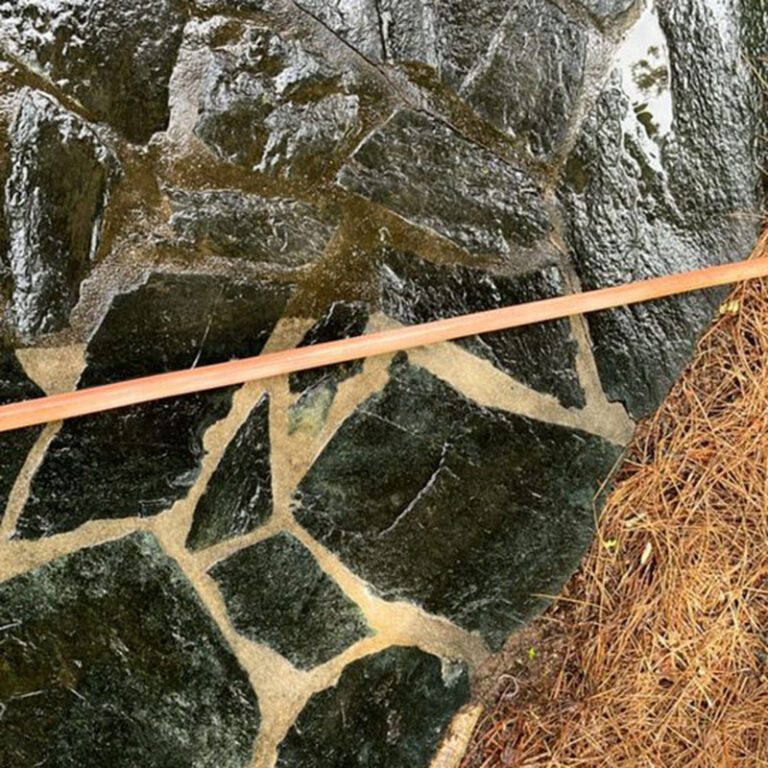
542,356
608,9
15,445
640,205
238,497
277,594
388,710
275,232
113,56
530,82
317,387
427,173
272,105
467,511
139,460
107,657
55,198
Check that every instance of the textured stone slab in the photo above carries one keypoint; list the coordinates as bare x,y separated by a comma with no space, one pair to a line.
542,356
388,710
427,173
277,594
14,446
108,658
530,82
275,232
139,460
238,497
640,204
608,9
271,104
467,511
58,189
113,56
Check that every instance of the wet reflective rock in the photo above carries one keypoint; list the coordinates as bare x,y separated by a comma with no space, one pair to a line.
608,9
317,386
107,657
423,170
57,191
272,105
275,232
388,710
529,83
467,511
276,594
238,497
543,356
14,446
113,56
139,460
640,203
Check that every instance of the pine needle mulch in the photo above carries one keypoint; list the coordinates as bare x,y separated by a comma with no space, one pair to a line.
656,655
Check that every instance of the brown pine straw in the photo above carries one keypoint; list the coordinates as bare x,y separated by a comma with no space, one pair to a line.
656,655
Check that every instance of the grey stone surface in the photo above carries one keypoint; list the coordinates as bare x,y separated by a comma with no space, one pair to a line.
430,175
277,594
467,511
109,658
272,105
388,710
113,56
640,204
542,356
276,232
14,446
55,199
238,497
529,83
139,460
609,9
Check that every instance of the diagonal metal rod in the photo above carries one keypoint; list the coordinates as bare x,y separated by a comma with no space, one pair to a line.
120,394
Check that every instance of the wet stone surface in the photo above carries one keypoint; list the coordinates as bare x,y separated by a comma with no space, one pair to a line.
276,594
640,204
59,184
542,356
274,106
238,497
14,446
467,511
275,232
430,175
111,55
388,710
108,658
139,460
530,82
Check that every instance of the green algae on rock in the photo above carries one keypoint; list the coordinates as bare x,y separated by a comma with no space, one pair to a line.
277,594
107,657
238,497
388,710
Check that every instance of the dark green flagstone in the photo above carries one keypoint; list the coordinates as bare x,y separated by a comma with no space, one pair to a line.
432,176
277,594
60,180
469,512
107,658
238,497
388,710
139,460
543,356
